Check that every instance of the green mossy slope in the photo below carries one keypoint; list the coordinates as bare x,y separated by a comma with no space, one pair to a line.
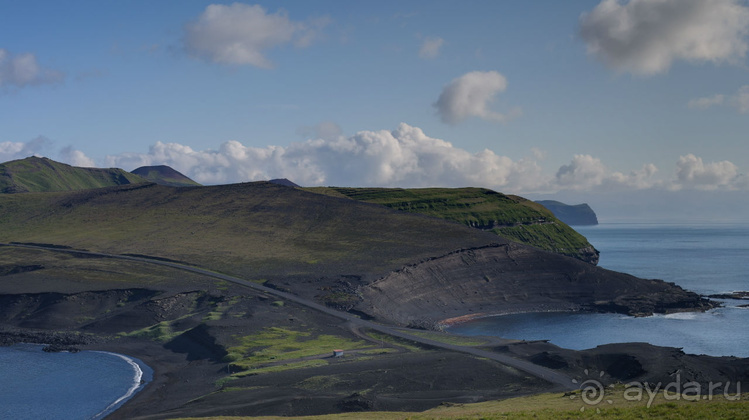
509,216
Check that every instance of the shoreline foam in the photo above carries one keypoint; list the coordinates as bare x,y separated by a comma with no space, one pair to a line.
138,382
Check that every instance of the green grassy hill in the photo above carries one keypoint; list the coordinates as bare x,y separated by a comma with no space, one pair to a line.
509,216
165,175
252,229
35,174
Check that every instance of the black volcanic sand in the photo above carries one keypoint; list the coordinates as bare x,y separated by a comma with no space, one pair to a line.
62,300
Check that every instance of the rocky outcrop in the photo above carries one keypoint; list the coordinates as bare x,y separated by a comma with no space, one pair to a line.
507,278
638,363
589,255
53,340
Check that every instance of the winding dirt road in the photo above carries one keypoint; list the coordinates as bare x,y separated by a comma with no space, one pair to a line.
563,382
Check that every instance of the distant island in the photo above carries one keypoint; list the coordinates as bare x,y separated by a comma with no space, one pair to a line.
573,215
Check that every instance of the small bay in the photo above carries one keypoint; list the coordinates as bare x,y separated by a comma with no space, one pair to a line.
83,385
704,258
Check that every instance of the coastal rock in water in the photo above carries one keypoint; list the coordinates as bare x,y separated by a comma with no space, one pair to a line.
733,295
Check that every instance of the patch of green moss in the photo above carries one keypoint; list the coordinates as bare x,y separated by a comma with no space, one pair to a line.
555,237
161,332
511,217
273,345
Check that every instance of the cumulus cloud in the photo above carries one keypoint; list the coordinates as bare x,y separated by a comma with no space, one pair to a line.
470,96
405,156
241,34
585,173
75,157
582,173
430,47
21,70
691,172
43,147
640,179
19,150
646,36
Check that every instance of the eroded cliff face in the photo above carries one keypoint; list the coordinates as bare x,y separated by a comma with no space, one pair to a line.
507,278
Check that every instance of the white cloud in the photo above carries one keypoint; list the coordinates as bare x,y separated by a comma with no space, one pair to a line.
706,102
638,179
18,150
241,34
407,157
586,173
430,47
76,158
43,147
402,157
23,70
470,96
691,172
646,36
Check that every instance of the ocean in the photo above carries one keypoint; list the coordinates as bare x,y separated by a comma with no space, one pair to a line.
704,258
82,385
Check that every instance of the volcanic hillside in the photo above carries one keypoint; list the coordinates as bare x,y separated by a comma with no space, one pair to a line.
165,175
326,248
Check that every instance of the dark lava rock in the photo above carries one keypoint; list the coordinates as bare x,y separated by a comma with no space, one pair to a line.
355,402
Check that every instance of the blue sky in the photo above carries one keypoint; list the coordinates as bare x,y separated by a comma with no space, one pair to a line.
572,100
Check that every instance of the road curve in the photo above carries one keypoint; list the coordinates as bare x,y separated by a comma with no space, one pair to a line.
560,380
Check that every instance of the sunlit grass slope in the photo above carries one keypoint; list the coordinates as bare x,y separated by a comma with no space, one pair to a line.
253,229
35,174
558,406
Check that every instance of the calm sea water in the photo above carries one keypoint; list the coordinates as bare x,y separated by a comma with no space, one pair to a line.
83,385
704,258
